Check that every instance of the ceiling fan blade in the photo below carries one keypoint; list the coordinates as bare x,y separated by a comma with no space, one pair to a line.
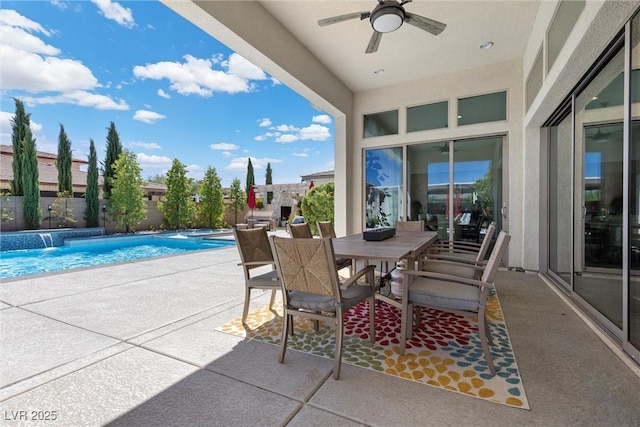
374,42
429,25
340,18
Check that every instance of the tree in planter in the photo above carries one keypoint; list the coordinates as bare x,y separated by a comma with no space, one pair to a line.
211,206
238,199
127,206
114,149
178,208
30,181
20,122
63,163
268,181
318,205
60,212
92,196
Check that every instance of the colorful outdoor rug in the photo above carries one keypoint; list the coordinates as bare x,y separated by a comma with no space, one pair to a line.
445,352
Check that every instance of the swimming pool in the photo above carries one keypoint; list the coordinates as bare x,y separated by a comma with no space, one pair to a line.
98,251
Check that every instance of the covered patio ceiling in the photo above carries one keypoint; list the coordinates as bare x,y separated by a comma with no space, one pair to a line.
407,54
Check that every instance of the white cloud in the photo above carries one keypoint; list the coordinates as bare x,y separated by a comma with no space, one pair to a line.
116,12
163,94
36,67
225,146
240,163
260,138
195,76
287,139
79,97
264,123
240,67
14,19
227,153
285,128
301,154
315,133
322,118
146,145
148,116
152,161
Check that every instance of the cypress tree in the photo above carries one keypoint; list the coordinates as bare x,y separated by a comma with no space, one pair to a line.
250,178
30,181
18,123
92,200
114,149
63,164
268,181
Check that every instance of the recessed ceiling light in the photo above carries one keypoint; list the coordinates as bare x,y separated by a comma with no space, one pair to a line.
379,71
486,45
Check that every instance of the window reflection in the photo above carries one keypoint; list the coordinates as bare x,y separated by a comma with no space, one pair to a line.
383,178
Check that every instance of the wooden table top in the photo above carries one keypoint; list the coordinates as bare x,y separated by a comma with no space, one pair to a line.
403,245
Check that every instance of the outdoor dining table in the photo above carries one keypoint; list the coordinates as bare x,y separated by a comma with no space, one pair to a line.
404,245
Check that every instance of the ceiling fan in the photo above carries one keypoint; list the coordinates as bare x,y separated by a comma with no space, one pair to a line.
388,16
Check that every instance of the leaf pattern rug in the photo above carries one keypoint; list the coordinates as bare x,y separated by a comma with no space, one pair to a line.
445,351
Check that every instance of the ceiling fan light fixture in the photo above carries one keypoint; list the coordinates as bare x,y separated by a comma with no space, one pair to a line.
387,19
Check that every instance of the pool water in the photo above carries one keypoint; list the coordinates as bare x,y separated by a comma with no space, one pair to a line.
99,251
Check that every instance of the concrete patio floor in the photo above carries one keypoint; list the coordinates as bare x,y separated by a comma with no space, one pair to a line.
135,344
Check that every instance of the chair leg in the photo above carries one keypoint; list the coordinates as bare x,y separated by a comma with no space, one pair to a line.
245,310
272,300
488,333
482,330
418,315
286,326
337,358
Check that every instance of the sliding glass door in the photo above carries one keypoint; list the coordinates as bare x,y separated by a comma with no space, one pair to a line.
599,199
456,186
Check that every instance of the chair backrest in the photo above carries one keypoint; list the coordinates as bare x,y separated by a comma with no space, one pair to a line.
325,228
300,231
410,225
306,265
253,245
491,269
488,237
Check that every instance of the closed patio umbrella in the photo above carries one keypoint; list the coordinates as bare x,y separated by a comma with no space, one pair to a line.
251,199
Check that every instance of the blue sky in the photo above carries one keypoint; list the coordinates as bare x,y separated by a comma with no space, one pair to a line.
173,91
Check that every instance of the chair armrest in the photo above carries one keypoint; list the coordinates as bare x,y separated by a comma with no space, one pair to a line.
471,265
452,258
353,279
449,278
457,244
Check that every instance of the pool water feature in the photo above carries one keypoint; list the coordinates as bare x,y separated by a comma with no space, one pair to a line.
98,251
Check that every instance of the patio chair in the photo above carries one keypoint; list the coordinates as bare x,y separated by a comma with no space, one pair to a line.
410,225
458,294
255,251
325,228
299,231
312,289
459,251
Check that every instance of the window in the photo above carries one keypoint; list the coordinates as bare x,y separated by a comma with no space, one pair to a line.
383,180
483,108
535,79
561,26
426,117
380,124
